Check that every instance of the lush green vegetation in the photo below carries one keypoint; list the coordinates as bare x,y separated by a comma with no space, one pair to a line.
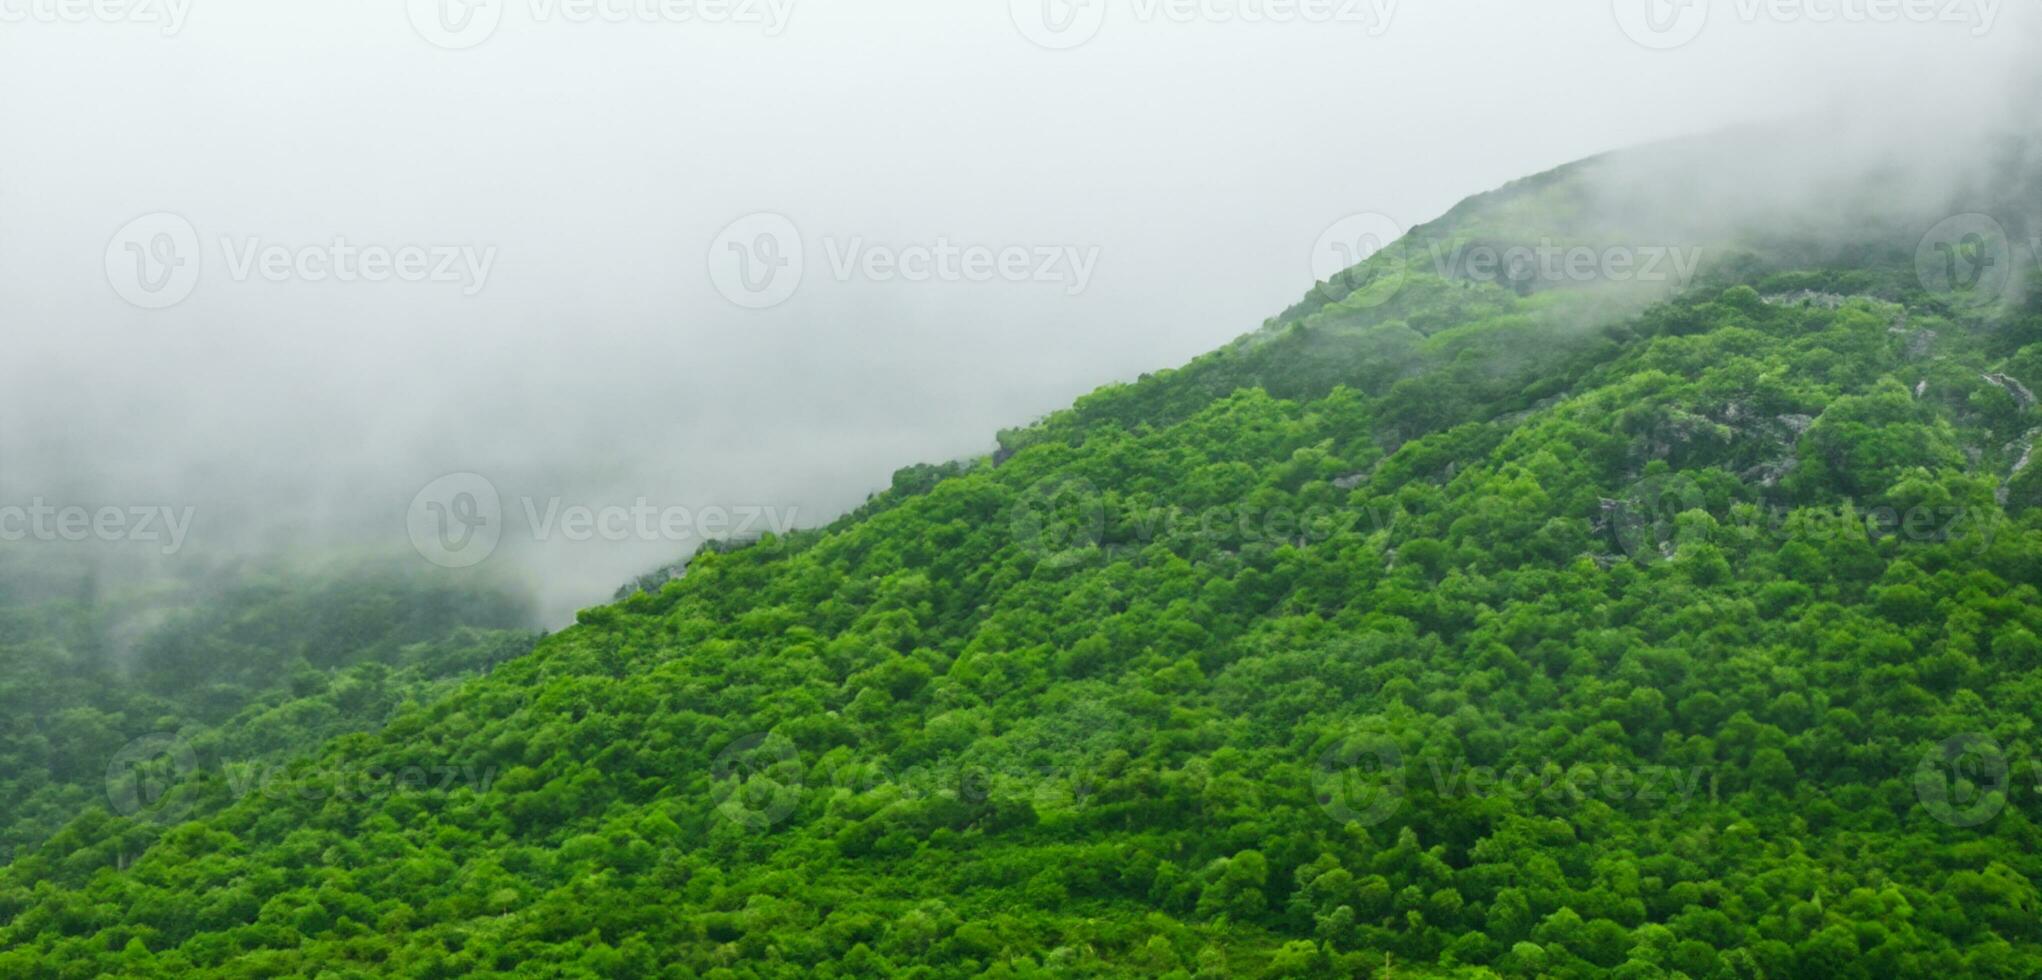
1457,628
232,670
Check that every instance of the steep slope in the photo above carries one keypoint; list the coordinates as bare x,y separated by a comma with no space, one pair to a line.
1534,626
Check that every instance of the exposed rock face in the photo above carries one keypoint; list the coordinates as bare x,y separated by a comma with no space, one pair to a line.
1808,297
654,580
1738,427
2006,486
2022,396
1787,431
1919,342
1683,430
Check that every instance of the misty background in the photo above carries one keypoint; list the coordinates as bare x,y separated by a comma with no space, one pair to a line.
598,164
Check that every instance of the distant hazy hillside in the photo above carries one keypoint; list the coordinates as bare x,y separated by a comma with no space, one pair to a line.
227,669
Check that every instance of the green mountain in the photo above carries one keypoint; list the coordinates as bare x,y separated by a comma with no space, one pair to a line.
1494,611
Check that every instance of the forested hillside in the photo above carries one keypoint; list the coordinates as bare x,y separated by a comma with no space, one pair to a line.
1448,625
240,670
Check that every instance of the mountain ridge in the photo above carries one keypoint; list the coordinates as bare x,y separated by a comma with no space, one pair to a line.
1455,628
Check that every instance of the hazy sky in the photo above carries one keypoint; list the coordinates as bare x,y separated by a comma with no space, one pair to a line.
557,221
